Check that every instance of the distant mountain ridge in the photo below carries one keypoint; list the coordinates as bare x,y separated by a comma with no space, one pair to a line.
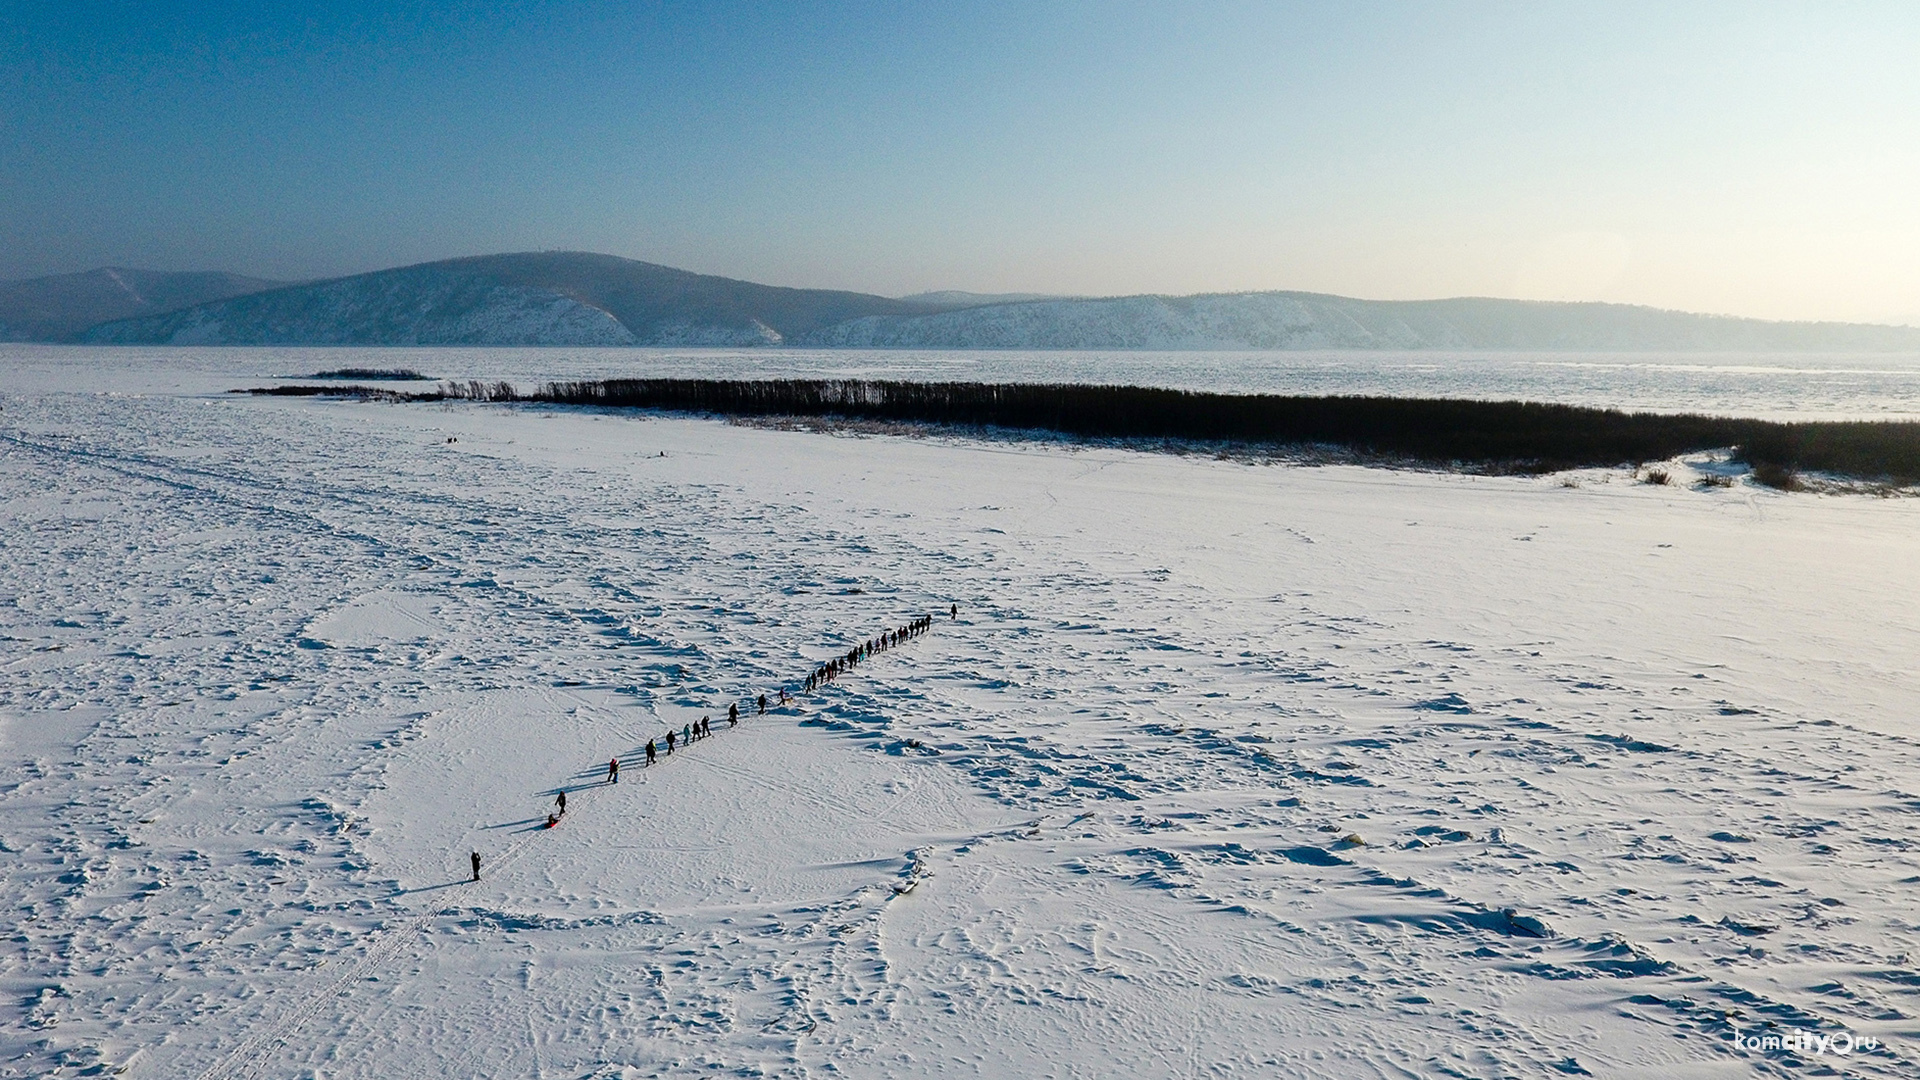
962,298
59,307
537,298
1296,320
584,299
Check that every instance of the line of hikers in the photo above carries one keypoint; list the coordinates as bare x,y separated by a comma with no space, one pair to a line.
826,672
833,668
698,729
703,728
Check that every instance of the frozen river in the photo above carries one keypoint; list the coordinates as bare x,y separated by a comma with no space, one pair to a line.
1784,386
1222,770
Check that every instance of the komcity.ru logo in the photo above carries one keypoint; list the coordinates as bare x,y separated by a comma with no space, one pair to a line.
1801,1041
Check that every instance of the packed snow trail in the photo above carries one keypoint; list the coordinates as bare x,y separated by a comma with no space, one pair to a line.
1257,771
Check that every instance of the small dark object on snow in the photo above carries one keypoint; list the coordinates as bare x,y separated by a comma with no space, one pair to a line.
476,866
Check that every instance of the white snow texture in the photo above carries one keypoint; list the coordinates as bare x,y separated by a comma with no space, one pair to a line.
1224,770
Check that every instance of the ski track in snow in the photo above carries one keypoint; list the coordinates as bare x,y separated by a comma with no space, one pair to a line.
272,668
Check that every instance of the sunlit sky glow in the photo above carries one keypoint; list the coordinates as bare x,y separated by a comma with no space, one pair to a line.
1748,158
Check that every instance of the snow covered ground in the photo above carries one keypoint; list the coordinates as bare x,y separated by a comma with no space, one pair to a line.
1223,770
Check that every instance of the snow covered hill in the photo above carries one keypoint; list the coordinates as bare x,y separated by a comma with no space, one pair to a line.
1292,320
391,309
573,298
539,298
57,308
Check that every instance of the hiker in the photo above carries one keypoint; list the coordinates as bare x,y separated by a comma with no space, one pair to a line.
686,733
954,611
476,866
763,704
563,802
783,695
613,770
669,742
733,713
651,757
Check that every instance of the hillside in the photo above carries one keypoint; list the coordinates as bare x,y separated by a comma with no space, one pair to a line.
1293,320
59,307
574,298
543,298
961,298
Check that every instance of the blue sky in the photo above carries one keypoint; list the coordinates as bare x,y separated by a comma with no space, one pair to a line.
1749,158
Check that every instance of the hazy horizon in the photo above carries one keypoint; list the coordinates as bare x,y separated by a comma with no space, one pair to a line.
1724,159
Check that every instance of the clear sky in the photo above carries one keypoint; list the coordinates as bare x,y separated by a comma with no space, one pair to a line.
1743,157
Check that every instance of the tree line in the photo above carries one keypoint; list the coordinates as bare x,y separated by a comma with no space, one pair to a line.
1504,435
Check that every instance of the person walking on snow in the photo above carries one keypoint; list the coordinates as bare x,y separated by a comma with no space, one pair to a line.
763,704
562,800
613,770
733,714
669,742
651,753
476,866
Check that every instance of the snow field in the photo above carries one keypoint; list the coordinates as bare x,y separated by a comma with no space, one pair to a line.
1224,770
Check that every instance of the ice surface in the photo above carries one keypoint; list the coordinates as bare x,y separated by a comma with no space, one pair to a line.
1797,386
1224,769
